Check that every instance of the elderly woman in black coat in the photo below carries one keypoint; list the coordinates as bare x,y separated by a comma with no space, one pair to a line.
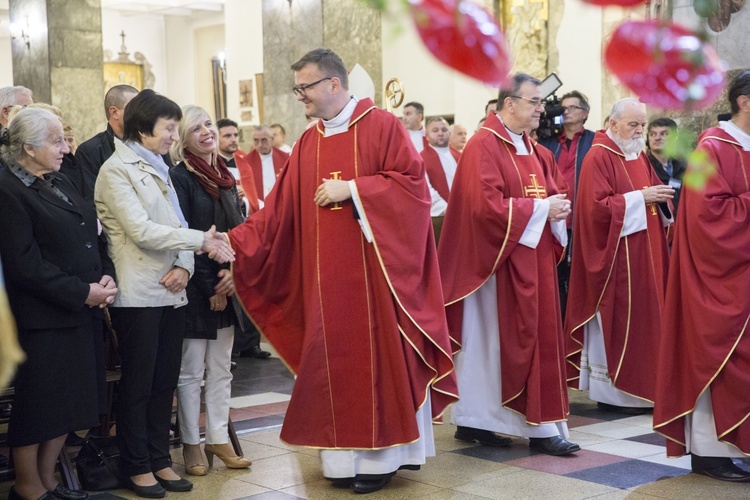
208,197
57,275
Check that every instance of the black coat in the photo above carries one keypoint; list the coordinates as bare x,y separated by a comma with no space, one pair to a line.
584,144
678,172
200,211
51,251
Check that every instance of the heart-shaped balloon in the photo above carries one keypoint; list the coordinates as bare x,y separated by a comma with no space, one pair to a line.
665,64
465,37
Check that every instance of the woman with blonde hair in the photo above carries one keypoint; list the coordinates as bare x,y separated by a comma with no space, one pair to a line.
208,196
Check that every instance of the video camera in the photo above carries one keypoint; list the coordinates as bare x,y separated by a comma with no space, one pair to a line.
551,121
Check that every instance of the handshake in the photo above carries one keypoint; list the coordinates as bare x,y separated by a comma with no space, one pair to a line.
216,245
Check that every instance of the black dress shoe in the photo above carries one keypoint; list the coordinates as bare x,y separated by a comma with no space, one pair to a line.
176,485
13,495
341,482
727,471
624,410
255,352
153,491
370,483
481,436
61,491
410,467
554,445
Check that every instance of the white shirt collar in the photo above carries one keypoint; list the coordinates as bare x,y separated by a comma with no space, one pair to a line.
518,141
737,133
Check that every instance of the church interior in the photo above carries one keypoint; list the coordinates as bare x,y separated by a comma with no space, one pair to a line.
233,58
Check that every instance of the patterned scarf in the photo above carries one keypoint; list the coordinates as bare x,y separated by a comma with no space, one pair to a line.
212,178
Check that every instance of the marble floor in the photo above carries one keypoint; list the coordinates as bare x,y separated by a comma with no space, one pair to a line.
620,458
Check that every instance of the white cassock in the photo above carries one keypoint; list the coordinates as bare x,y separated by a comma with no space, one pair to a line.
448,162
417,138
700,427
594,376
349,463
269,173
478,364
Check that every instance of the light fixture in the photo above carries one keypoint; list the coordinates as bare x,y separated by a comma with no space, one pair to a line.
21,31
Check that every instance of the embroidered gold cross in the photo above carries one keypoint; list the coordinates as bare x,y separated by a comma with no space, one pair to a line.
336,176
535,190
653,205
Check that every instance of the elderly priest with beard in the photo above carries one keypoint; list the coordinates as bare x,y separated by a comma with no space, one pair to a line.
619,267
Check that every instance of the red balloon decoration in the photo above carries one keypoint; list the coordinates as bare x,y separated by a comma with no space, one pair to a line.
665,64
465,37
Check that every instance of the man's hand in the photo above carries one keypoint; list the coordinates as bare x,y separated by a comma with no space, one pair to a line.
107,282
226,284
218,302
332,191
657,194
175,280
559,207
100,296
217,247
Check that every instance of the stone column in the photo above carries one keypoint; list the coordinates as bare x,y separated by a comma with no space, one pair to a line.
61,58
292,28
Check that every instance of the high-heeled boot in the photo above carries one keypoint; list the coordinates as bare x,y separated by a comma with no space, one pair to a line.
193,460
227,455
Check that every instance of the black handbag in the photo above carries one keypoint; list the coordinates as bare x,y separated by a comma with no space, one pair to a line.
98,464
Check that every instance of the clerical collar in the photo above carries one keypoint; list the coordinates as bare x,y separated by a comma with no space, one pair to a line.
266,156
226,158
628,156
737,133
518,142
340,123
440,150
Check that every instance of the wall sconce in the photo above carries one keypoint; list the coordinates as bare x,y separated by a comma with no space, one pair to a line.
223,64
22,31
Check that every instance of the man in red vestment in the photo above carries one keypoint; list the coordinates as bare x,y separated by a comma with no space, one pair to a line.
340,272
703,376
503,234
440,164
618,267
265,162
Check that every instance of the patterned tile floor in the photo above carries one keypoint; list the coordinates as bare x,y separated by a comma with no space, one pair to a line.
620,458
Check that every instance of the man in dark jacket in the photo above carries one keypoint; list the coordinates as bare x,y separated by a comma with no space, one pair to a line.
92,154
569,148
669,170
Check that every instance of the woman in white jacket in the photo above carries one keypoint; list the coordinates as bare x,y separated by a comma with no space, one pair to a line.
152,250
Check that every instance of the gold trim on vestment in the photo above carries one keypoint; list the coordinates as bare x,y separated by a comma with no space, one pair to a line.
320,294
716,374
630,310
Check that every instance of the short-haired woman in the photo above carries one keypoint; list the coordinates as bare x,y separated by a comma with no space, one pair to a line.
152,249
208,196
56,275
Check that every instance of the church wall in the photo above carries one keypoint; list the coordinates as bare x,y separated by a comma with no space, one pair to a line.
6,57
243,31
290,29
209,42
579,48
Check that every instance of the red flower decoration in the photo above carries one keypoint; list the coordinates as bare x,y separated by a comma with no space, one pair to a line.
465,37
665,64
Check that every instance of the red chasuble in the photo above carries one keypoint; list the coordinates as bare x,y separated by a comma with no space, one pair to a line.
256,165
361,324
705,343
623,278
491,203
435,171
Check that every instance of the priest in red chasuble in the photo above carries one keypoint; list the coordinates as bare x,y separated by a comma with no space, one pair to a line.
618,268
339,271
703,375
503,236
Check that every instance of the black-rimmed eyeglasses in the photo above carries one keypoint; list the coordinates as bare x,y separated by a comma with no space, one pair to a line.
302,89
571,108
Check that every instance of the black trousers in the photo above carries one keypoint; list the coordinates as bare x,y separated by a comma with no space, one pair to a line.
150,341
245,333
